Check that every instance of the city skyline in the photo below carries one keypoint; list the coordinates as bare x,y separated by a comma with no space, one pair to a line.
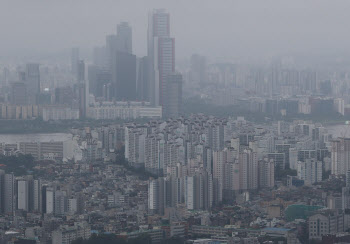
248,28
175,122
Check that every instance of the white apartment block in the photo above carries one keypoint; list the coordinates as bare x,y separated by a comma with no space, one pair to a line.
310,171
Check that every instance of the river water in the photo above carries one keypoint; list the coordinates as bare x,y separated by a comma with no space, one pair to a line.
37,137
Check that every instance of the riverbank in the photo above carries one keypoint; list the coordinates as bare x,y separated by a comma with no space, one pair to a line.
64,126
32,126
197,105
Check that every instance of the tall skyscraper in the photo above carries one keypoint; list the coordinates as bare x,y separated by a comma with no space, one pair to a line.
81,71
111,50
142,86
19,93
5,76
64,95
81,93
124,76
32,82
82,89
198,69
98,77
122,63
74,60
161,54
166,65
100,57
124,37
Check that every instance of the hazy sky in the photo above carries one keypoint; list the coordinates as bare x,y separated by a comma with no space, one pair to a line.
217,28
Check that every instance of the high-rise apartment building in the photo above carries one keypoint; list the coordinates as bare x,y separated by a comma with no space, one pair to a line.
346,197
248,170
9,193
23,195
2,191
28,192
278,159
37,197
310,171
50,200
219,159
231,179
284,148
136,147
156,195
60,203
340,155
152,146
266,173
